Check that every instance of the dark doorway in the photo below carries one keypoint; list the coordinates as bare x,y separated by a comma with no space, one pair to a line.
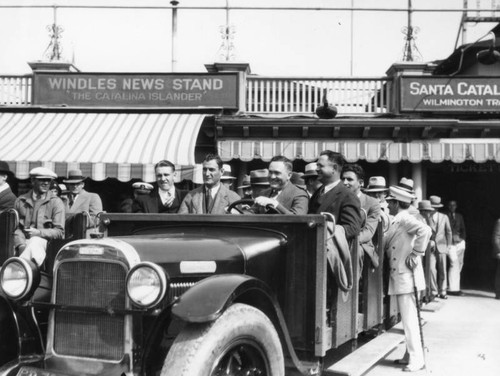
475,187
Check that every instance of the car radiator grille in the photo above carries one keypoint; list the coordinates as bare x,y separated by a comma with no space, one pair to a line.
85,334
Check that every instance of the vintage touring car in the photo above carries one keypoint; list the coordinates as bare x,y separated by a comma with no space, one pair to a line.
181,295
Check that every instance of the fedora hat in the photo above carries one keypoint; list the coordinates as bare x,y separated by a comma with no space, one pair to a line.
4,168
245,183
74,176
42,173
435,202
259,177
425,205
310,171
226,175
398,194
140,185
376,184
406,185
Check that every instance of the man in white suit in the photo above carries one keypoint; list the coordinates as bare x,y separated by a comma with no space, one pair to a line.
405,244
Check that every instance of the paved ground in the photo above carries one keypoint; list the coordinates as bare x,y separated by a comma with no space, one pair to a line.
462,337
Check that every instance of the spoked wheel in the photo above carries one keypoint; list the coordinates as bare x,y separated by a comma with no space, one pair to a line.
241,342
243,358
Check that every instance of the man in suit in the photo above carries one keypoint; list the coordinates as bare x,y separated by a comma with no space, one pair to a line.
79,200
333,197
7,198
41,217
311,178
353,177
165,197
457,250
405,243
441,240
212,197
282,196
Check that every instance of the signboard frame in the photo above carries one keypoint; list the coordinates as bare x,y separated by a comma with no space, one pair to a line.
137,90
449,95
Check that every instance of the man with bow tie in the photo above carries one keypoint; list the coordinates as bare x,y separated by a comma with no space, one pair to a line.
165,197
282,196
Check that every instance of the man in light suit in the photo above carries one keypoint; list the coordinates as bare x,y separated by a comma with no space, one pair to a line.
7,198
212,197
79,200
282,196
335,198
165,197
353,177
457,250
405,243
441,241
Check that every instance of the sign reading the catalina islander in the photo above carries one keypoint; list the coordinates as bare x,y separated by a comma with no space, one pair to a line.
136,90
450,94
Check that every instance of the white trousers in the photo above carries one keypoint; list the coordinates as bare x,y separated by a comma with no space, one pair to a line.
456,260
36,248
409,318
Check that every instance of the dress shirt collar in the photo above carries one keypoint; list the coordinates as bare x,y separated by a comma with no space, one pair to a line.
4,187
329,187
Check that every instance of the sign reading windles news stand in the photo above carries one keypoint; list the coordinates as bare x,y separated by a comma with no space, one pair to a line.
450,94
136,90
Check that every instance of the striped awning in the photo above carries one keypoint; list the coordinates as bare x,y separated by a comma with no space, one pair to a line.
455,150
118,145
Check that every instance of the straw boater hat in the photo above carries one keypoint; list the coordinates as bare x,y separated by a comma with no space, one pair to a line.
406,185
259,177
42,173
74,176
398,194
435,202
227,173
141,187
425,205
245,183
310,171
376,184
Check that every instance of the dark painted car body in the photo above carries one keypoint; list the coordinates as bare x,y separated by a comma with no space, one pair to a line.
275,263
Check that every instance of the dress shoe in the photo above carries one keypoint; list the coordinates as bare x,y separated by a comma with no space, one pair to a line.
413,368
456,293
442,296
403,362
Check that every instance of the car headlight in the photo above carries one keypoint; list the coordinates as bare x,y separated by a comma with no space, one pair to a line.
18,278
147,284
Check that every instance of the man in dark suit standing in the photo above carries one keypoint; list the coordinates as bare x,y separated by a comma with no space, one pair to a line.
212,197
7,198
165,197
353,177
283,196
334,197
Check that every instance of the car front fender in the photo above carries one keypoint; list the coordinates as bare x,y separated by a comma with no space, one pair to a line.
207,300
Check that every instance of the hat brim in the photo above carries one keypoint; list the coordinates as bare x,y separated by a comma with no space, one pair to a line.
72,181
43,177
227,178
436,206
244,186
375,190
259,184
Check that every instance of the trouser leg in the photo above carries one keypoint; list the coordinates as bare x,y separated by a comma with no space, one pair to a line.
456,264
497,281
441,272
433,272
35,250
409,318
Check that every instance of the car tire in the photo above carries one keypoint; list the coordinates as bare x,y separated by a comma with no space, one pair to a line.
241,341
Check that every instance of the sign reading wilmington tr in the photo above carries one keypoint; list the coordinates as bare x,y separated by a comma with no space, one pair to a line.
136,90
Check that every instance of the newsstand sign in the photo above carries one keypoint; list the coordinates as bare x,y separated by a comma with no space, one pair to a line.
136,90
450,94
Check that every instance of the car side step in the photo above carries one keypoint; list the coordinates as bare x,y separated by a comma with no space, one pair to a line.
359,361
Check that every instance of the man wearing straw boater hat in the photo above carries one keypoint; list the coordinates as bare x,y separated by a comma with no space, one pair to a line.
227,179
7,198
407,185
79,200
310,177
405,243
41,217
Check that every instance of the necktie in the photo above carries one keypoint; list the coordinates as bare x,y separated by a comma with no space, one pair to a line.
71,200
208,200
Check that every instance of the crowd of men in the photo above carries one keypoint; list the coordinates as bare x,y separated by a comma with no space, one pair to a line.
326,186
